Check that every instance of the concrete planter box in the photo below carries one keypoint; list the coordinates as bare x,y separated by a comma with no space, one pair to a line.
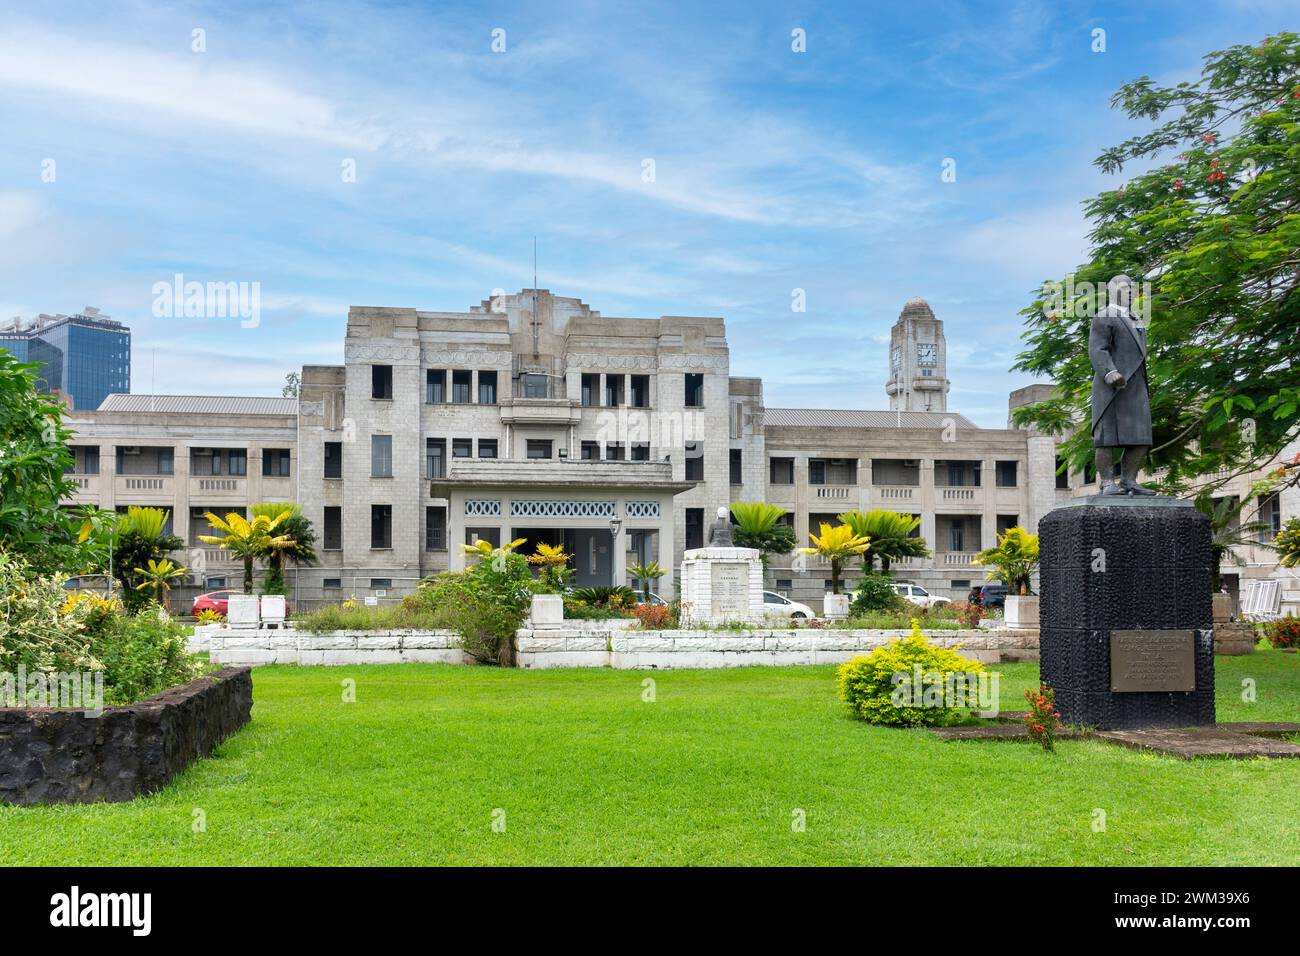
1021,611
835,606
547,611
66,756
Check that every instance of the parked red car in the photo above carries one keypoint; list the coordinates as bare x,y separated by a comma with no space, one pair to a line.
212,601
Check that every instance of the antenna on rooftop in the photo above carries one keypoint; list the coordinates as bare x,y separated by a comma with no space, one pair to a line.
536,330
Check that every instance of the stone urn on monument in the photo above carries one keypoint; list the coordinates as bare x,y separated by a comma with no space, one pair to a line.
1126,617
721,583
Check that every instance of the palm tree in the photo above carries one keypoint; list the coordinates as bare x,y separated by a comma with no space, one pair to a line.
646,573
553,563
1013,561
891,536
836,544
157,576
758,525
299,539
1228,532
248,540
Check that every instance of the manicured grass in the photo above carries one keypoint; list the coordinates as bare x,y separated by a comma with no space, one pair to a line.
709,773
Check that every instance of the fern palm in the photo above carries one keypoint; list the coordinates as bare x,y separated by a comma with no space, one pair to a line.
891,536
646,574
157,576
248,540
1013,561
837,544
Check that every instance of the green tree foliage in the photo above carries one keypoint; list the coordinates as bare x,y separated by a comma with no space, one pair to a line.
1013,561
139,541
34,462
758,526
1211,220
891,535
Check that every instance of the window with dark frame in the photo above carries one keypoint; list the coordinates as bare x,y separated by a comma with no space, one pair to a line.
487,447
695,461
461,383
275,462
736,464
435,528
334,459
590,389
539,448
381,382
435,458
332,530
487,388
640,391
435,386
640,451
381,456
462,448
590,451
694,389
381,527
1007,474
780,471
694,528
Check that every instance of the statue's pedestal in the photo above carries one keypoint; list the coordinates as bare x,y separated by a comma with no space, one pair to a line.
1126,617
721,585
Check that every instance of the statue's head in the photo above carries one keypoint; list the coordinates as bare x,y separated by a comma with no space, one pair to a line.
722,513
1119,291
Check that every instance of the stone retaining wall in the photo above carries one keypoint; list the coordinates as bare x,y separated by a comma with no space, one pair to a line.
228,646
766,647
67,756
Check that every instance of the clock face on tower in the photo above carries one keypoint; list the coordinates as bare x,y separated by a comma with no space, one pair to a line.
927,354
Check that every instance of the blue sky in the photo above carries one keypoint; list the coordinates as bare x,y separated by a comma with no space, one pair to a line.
774,170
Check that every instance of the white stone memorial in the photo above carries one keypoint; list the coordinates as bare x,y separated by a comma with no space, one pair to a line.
721,583
243,611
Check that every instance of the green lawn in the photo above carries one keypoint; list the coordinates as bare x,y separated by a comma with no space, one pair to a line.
709,773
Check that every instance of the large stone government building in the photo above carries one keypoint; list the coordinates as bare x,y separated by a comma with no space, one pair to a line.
534,416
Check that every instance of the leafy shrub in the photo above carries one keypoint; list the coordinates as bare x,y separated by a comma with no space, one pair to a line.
875,593
1042,720
878,686
604,595
1284,632
34,630
968,613
143,654
209,616
582,611
655,617
484,604
938,618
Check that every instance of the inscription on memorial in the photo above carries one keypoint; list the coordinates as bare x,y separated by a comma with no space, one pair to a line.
730,590
1152,661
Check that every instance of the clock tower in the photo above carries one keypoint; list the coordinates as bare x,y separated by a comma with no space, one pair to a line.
918,361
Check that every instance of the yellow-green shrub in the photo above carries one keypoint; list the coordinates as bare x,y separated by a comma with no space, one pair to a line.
867,683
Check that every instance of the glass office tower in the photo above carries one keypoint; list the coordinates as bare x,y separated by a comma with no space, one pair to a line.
86,355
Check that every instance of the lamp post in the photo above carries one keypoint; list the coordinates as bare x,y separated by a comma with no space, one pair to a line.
614,525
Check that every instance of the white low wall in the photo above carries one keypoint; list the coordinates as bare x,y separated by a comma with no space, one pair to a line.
767,647
600,644
226,646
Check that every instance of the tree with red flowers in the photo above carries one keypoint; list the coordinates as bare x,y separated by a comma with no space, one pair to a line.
1212,222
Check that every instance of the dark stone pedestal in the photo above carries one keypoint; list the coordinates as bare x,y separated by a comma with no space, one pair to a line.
1124,564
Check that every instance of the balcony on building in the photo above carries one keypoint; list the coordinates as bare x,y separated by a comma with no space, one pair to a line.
84,473
834,480
144,472
957,539
219,473
957,481
895,481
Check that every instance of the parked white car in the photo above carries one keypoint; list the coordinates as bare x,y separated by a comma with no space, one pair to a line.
777,604
919,595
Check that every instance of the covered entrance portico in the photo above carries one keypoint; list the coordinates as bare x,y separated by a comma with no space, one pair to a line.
607,514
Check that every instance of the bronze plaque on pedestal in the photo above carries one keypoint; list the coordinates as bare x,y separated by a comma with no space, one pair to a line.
1152,661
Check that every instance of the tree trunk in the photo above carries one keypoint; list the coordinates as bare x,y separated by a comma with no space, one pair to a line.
248,575
835,575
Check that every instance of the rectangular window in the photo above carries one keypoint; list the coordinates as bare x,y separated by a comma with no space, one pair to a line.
332,534
462,448
380,584
332,584
491,535
1006,474
435,458
1270,516
539,448
435,386
640,451
590,388
487,388
780,471
695,461
334,459
694,528
613,390
460,387
238,462
737,469
275,462
591,451
614,451
784,584
536,385
381,456
87,460
167,461
435,528
381,382
1005,522
694,390
381,527
487,447
1062,475
640,391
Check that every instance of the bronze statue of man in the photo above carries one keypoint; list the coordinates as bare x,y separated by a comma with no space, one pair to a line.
720,535
1121,406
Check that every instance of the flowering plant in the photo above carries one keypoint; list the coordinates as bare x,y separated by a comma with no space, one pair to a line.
1043,719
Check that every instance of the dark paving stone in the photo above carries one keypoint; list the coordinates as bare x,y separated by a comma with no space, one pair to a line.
1275,728
996,731
1192,742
